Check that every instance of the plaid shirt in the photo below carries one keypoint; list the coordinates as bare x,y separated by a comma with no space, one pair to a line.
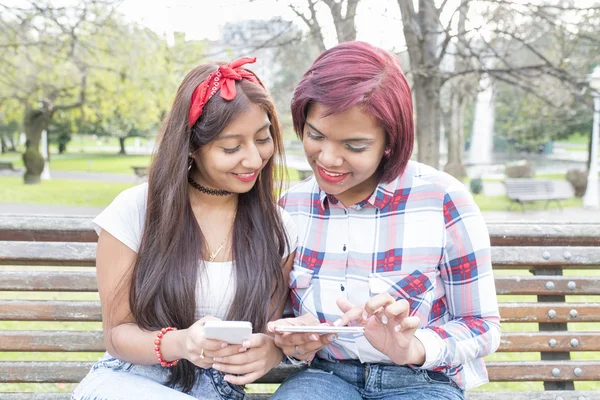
420,237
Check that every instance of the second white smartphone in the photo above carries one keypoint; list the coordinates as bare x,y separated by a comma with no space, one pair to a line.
321,329
232,332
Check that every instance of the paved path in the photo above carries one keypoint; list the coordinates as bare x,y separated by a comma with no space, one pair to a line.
84,176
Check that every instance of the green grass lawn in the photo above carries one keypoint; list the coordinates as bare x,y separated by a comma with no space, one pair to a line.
60,192
99,194
502,203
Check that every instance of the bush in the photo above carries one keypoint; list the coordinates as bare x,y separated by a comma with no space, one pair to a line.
518,169
578,179
476,185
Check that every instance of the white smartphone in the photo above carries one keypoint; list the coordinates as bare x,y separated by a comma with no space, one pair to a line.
320,329
232,332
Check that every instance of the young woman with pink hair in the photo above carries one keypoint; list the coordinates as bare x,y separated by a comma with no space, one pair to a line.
386,243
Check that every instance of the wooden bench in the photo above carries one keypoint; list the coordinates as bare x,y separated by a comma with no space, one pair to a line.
550,320
5,165
140,172
529,190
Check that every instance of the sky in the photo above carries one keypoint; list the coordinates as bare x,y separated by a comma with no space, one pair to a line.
378,21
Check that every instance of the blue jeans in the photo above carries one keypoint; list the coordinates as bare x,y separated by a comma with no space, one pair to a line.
351,380
114,379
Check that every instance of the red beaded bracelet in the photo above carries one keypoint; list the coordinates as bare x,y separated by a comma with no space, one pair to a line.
157,342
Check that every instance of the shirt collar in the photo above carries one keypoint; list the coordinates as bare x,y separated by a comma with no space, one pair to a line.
380,197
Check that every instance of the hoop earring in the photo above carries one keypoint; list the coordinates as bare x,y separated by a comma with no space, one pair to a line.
190,163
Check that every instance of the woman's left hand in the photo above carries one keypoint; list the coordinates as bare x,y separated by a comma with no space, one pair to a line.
257,357
388,327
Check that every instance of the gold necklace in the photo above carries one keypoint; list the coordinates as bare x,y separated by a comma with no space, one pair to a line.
214,254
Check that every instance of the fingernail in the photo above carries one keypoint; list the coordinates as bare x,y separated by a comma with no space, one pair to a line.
223,345
216,366
332,338
314,337
218,359
242,349
365,315
384,319
246,343
226,378
337,323
270,328
398,328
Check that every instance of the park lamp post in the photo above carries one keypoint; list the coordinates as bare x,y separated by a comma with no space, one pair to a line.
590,199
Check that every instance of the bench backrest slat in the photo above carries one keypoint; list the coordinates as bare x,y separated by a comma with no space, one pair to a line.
45,310
83,254
85,281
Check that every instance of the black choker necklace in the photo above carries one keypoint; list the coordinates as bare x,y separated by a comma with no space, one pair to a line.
214,192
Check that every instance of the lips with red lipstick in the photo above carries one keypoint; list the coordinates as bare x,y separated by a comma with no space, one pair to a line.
247,177
331,176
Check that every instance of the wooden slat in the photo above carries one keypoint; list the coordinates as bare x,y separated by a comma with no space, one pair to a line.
524,371
85,281
544,257
544,234
540,341
57,281
548,395
47,253
59,341
44,310
35,396
44,228
93,341
58,253
43,371
538,285
74,371
538,312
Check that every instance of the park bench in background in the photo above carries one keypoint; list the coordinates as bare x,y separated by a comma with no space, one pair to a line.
529,190
5,165
140,172
550,317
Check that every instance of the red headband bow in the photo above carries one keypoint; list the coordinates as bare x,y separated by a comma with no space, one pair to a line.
223,78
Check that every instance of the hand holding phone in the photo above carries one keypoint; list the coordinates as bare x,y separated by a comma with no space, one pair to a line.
232,332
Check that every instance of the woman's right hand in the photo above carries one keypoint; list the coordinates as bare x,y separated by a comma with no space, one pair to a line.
202,351
302,346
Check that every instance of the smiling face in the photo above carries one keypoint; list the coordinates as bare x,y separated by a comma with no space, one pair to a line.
344,151
238,154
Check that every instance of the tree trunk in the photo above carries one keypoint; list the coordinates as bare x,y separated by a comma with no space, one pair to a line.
3,145
35,122
456,137
428,112
122,145
62,147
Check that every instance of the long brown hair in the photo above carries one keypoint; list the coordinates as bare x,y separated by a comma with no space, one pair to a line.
163,284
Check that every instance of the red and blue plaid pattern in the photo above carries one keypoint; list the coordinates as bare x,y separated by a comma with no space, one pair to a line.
420,237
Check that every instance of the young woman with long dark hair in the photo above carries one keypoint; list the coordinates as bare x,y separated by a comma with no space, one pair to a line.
204,239
386,243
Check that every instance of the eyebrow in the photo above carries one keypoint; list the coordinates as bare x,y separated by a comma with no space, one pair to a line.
351,140
238,135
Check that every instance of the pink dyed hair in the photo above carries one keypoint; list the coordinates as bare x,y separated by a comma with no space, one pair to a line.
357,73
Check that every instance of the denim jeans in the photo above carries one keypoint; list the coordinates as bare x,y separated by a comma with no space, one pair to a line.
114,379
351,380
